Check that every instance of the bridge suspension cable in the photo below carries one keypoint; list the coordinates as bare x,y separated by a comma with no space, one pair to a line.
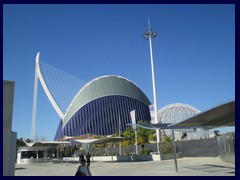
59,86
63,86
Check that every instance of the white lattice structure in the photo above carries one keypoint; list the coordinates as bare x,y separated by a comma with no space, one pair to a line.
178,112
59,86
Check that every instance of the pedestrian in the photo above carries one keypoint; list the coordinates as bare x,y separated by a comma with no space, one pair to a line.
83,169
81,157
88,156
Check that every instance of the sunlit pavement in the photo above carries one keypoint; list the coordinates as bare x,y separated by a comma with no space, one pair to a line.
203,166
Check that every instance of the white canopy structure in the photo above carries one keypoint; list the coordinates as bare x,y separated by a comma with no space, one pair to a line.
49,143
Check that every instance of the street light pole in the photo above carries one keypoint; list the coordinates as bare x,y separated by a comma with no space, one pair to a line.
149,35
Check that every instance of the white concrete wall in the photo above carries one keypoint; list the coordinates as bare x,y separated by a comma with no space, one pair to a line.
9,137
118,158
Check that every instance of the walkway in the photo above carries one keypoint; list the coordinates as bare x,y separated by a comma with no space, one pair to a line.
204,166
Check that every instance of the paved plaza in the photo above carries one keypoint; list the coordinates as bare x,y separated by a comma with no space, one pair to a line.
203,166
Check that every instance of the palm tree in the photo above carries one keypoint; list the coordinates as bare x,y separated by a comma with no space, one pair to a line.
129,133
144,135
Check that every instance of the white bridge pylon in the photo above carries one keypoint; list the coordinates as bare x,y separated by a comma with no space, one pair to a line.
38,74
53,102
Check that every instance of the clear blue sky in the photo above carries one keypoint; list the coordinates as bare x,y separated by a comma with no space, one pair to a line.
194,52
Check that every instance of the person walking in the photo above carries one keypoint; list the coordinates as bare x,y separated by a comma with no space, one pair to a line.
81,157
88,156
83,169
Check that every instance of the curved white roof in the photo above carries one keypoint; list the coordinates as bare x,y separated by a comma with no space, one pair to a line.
104,86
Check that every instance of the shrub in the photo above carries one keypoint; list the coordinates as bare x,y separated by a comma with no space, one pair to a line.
166,148
145,151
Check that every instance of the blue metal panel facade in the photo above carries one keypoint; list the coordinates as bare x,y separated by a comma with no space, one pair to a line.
101,116
101,87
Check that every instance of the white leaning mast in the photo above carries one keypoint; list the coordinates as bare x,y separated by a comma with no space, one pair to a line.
38,75
33,133
149,35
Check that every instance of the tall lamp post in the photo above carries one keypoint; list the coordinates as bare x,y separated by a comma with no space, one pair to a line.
149,35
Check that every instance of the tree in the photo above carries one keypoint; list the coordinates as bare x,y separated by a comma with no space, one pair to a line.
184,135
129,133
167,139
216,133
28,140
152,137
99,145
20,142
143,134
166,145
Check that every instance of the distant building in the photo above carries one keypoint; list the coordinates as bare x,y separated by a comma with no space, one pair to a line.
178,112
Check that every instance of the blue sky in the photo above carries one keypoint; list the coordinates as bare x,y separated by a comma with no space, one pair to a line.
194,52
